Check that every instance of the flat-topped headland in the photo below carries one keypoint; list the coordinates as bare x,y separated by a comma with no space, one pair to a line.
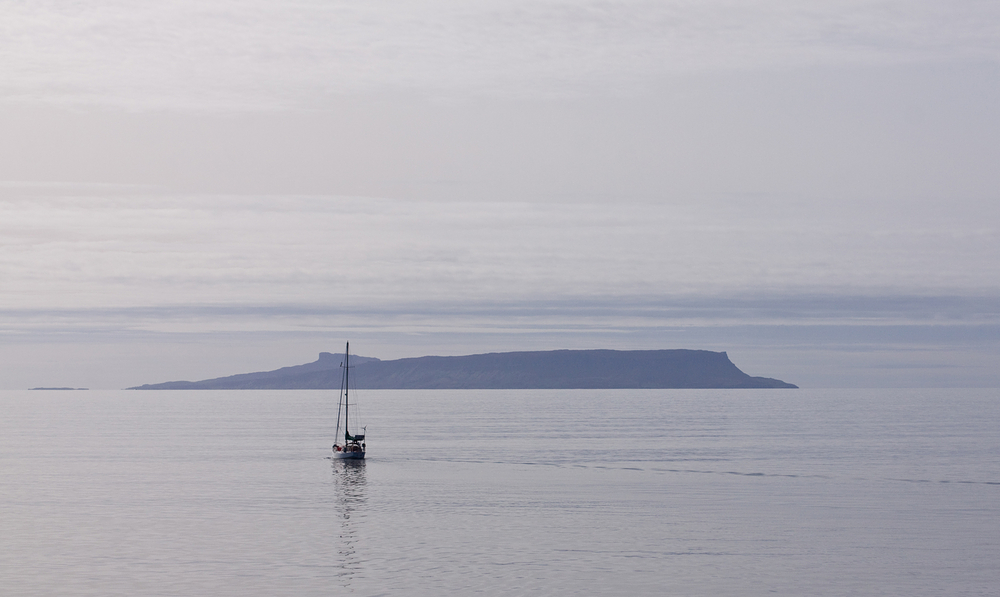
555,369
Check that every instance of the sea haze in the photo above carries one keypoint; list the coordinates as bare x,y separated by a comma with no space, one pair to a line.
500,492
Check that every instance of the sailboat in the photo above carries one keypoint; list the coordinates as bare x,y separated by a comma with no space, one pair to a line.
353,447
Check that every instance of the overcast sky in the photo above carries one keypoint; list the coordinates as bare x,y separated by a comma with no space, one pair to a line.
196,189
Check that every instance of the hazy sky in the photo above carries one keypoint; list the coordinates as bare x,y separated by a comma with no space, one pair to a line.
196,189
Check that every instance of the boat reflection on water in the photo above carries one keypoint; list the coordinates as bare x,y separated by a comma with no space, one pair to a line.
349,484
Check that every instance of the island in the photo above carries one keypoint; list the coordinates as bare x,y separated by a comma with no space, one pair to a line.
555,369
58,388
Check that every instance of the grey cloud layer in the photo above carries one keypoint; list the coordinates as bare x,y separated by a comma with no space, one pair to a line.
226,54
135,251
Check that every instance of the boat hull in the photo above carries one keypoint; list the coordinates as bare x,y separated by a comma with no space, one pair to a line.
349,455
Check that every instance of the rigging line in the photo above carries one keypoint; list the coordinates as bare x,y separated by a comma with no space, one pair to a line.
358,419
340,404
347,391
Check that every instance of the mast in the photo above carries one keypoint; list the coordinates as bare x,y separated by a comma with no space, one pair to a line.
347,386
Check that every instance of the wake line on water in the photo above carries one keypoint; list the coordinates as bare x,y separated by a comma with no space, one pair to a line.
946,481
741,474
695,471
646,554
792,476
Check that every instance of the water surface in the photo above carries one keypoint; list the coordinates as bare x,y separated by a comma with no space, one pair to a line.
687,492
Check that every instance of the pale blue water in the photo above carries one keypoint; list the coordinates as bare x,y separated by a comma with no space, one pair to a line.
740,492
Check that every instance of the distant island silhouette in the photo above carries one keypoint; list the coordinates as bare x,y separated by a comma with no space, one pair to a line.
556,369
58,388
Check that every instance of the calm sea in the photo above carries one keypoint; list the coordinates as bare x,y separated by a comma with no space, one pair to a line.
656,492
